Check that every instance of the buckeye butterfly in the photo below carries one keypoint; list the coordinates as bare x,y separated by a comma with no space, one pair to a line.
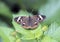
29,22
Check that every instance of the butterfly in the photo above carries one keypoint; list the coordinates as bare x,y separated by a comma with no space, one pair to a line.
29,22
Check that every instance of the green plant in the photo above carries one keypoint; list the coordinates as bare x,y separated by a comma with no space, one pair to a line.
48,30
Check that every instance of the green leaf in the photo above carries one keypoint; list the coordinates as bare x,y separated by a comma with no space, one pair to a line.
48,39
27,34
5,34
54,31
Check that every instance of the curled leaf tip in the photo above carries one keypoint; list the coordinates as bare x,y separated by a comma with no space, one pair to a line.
18,40
44,28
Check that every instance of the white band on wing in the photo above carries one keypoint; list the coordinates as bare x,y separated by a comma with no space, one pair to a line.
41,17
18,19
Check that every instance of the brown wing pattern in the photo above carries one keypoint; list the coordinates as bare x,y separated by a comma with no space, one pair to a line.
30,22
